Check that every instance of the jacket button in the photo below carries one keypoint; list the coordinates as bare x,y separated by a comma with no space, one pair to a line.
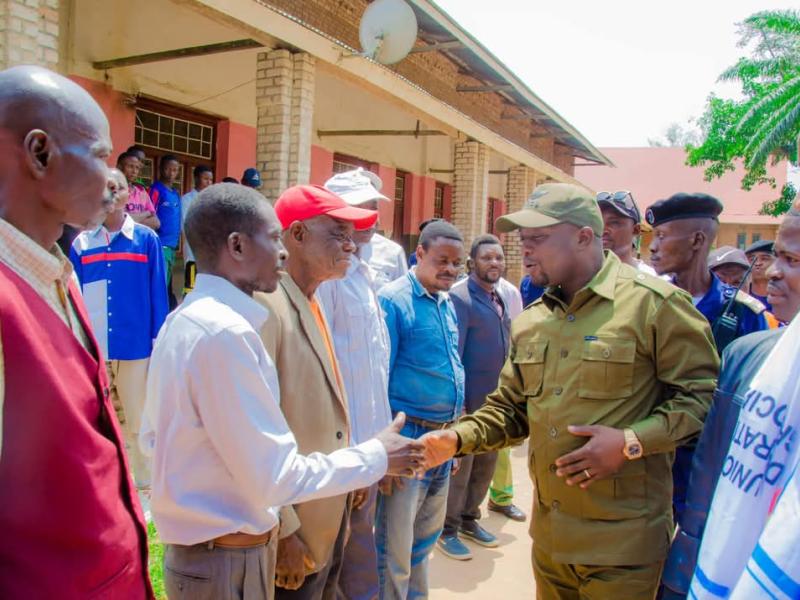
556,505
339,435
106,392
553,468
570,318
606,353
558,391
553,433
564,353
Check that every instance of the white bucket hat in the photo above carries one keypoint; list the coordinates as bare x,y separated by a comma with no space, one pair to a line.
356,187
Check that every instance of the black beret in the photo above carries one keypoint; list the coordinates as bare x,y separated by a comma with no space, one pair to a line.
761,246
683,206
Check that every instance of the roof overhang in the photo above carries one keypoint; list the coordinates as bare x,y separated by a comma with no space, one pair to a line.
273,27
437,27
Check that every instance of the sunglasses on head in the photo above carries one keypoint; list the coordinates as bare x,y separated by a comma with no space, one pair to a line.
622,197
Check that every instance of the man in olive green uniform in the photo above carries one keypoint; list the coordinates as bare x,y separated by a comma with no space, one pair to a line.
608,372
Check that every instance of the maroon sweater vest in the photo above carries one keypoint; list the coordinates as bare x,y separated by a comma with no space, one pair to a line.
70,522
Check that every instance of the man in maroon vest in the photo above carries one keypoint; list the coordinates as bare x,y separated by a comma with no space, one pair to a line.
72,526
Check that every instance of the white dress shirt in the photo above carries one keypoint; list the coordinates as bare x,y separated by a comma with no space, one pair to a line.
186,201
510,295
361,343
224,459
386,258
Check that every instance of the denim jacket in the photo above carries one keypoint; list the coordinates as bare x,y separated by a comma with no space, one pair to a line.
426,377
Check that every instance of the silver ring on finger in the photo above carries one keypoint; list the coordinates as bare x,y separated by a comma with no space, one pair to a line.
587,473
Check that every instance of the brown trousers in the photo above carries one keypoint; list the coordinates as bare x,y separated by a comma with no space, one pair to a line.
560,581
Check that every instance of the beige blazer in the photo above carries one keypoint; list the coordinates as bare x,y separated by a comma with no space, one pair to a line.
312,404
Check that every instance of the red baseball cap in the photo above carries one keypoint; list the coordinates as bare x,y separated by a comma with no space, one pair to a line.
301,202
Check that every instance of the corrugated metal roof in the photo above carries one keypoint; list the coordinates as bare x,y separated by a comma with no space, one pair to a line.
436,26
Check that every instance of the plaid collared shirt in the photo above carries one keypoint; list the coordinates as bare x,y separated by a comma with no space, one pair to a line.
49,273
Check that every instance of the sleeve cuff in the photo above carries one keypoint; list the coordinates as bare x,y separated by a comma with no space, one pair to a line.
467,438
376,459
652,435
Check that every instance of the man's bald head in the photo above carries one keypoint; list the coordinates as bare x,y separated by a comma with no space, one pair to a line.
54,143
35,98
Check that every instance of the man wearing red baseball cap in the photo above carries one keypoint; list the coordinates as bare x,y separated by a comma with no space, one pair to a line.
318,231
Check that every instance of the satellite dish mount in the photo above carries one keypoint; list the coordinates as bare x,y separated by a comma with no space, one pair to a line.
387,32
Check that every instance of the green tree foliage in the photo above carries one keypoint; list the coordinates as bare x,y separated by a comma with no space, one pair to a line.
763,126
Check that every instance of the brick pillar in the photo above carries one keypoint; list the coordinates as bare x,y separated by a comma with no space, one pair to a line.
29,33
470,189
285,102
520,182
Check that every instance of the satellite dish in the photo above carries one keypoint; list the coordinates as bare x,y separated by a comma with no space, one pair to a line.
388,31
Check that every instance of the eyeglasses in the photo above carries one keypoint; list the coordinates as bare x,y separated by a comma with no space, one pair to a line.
621,198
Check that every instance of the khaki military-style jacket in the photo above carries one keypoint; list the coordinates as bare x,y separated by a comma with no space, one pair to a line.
630,350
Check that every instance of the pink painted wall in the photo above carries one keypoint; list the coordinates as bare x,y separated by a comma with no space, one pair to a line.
121,117
321,165
236,149
419,206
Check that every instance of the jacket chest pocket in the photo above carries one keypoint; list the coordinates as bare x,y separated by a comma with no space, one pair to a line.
529,361
607,368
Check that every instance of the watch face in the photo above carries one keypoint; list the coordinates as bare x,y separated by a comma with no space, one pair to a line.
634,450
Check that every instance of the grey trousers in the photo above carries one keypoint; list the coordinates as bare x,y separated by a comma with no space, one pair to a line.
468,488
202,573
359,577
321,585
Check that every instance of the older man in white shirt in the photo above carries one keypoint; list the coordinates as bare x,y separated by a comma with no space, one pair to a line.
224,458
361,343
363,189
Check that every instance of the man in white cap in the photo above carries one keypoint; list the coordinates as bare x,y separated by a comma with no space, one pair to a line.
361,343
363,189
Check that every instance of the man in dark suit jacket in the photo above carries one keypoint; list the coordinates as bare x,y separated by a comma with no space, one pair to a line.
483,336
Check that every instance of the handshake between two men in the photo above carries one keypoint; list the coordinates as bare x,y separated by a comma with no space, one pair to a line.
600,457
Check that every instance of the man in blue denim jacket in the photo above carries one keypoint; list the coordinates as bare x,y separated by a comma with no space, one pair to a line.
426,381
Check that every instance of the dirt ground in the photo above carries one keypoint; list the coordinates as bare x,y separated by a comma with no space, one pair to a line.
494,573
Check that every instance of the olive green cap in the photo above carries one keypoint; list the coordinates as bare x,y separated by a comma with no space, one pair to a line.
554,203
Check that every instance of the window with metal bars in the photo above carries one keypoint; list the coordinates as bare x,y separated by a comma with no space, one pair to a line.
172,134
490,214
438,201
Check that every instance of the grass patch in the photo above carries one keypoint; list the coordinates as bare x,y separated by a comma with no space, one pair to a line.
156,561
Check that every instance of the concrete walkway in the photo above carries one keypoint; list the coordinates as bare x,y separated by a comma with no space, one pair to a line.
502,573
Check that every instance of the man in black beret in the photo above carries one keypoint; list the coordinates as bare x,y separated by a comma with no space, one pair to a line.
762,255
684,228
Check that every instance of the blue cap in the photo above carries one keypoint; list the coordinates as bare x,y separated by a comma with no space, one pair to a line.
251,178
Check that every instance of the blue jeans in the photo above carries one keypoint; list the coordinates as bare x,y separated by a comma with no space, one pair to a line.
407,525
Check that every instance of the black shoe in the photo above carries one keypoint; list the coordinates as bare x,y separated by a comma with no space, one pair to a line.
510,511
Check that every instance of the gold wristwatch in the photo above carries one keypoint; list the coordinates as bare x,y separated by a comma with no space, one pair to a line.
633,447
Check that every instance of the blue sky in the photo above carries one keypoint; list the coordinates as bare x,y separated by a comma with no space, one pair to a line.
619,70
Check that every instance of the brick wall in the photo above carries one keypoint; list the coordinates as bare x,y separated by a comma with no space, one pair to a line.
520,183
470,189
285,102
29,33
431,71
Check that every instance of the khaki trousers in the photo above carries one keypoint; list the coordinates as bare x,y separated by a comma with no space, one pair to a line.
127,382
206,572
560,581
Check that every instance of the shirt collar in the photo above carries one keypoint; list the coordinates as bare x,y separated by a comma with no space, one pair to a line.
223,290
126,229
603,284
419,290
29,260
